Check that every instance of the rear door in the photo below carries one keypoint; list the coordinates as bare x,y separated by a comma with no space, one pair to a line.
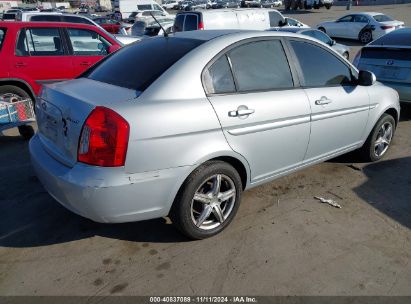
265,116
41,55
86,48
339,107
356,26
341,27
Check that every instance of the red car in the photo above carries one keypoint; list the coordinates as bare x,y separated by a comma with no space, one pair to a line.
33,53
110,25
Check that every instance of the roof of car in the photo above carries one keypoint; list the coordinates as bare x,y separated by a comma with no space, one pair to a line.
20,24
212,34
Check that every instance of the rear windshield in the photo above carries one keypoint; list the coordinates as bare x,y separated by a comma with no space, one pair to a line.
2,35
382,18
144,7
137,66
399,37
386,53
47,18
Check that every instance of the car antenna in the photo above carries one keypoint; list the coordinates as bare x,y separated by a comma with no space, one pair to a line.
164,31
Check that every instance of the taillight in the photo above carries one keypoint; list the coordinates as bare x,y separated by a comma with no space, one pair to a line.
357,58
104,139
387,27
200,26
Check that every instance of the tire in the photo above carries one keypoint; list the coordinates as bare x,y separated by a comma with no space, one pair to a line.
327,6
322,29
15,90
26,131
187,213
346,55
365,37
383,129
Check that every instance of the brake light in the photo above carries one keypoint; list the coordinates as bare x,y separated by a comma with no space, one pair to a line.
200,26
357,58
387,27
104,139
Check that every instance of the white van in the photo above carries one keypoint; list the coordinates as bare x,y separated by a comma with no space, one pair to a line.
126,7
249,19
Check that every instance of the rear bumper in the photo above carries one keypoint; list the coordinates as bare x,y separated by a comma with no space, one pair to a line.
403,89
107,195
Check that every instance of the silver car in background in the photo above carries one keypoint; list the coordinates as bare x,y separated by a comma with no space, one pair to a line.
181,125
343,50
389,58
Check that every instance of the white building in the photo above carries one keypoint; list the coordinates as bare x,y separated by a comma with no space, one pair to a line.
7,4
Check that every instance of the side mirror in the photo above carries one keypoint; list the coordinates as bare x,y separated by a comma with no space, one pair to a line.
366,78
333,42
113,48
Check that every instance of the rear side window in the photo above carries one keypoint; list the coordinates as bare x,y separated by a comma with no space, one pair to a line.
2,35
261,65
218,78
87,43
320,67
137,66
382,18
46,18
179,23
191,23
39,42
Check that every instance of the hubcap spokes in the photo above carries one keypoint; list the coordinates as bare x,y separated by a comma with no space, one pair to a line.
213,202
383,140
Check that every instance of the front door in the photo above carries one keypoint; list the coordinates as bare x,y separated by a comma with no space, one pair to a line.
264,116
339,107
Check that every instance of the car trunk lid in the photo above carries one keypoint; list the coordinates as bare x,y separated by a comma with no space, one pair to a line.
388,63
62,109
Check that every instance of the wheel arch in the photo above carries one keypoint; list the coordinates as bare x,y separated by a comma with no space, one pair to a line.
20,84
394,113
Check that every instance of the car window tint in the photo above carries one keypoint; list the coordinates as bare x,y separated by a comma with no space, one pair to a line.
2,35
190,23
144,7
178,23
320,67
397,37
346,19
218,77
39,42
360,19
138,65
46,18
322,37
382,18
261,65
87,43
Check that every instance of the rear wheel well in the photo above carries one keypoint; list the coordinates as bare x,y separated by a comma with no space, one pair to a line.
238,165
20,85
393,112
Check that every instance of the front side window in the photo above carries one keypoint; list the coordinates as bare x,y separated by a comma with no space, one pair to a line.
87,43
261,65
319,67
346,19
322,37
39,42
218,78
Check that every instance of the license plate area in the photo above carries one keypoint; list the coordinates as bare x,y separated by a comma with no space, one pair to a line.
49,120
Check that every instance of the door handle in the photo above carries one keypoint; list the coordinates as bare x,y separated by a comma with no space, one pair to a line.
85,63
20,64
323,101
241,112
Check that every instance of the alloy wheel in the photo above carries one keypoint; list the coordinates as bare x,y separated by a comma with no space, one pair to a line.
383,140
213,202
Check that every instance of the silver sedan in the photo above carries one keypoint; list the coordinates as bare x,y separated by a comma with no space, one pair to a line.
182,125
